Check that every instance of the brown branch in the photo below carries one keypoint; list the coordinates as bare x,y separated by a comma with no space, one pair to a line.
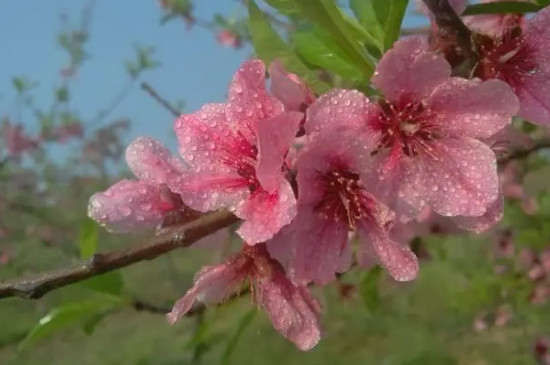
159,99
450,25
177,237
525,152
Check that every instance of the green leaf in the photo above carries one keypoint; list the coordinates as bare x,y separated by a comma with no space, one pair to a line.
269,46
287,7
543,2
392,28
110,284
327,15
87,242
502,7
320,52
369,289
365,12
63,317
244,322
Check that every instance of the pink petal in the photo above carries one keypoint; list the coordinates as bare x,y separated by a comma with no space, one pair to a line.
400,262
211,190
335,109
492,216
151,162
289,88
462,180
410,71
128,205
534,91
312,247
471,109
248,98
292,310
266,213
275,136
212,284
207,137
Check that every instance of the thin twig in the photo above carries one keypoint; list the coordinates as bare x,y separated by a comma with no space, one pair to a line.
450,25
182,236
525,152
155,95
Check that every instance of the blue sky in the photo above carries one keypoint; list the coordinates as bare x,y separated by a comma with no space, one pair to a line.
194,67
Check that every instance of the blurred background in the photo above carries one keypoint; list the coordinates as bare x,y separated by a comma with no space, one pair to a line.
80,79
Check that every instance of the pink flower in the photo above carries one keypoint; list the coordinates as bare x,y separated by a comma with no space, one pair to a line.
16,141
229,38
133,204
289,88
425,134
521,59
334,199
236,152
292,309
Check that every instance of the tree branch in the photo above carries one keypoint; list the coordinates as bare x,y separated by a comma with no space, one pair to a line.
183,236
155,95
450,25
525,152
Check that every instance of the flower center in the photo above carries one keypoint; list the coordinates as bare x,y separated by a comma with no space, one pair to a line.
507,58
241,157
344,199
408,126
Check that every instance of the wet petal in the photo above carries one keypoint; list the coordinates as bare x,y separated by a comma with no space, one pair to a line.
206,138
289,88
335,109
275,136
151,162
249,100
211,190
128,205
292,310
398,260
212,284
409,71
470,109
462,178
265,213
492,216
312,247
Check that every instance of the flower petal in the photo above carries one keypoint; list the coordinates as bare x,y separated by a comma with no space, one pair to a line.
249,100
292,310
151,162
471,109
207,138
312,247
492,216
336,109
462,180
400,262
409,71
128,205
275,135
211,190
212,284
266,213
289,88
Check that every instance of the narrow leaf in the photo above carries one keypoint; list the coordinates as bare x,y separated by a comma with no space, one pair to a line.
244,322
327,15
63,317
392,28
320,52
